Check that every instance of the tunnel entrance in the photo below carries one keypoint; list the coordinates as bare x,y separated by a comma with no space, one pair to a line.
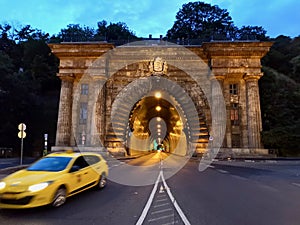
156,125
156,114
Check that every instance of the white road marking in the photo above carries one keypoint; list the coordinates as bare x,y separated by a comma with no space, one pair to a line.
162,200
160,205
296,184
149,202
173,200
162,195
160,218
173,222
223,171
162,210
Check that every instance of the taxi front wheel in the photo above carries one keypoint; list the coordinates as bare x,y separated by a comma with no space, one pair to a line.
59,197
102,181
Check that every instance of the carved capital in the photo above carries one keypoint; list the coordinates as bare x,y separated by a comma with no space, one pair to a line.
66,76
251,77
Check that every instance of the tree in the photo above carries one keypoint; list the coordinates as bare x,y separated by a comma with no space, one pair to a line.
199,20
29,88
74,33
114,31
280,96
251,33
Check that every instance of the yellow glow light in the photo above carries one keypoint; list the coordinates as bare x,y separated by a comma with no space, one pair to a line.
158,108
157,95
178,123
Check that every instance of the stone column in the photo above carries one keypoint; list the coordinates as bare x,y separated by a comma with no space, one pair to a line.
227,143
63,133
253,112
243,114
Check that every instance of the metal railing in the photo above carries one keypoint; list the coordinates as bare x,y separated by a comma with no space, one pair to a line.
155,41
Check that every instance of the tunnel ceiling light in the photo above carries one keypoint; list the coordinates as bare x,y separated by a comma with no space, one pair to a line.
157,95
158,119
158,126
158,108
178,123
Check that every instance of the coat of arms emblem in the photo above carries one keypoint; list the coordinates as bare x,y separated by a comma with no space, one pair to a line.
158,66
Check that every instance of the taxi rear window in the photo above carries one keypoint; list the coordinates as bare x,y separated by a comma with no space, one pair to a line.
50,164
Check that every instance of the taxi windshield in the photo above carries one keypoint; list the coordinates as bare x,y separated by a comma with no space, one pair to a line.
51,164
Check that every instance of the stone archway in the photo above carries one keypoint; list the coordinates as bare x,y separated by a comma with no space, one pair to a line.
236,67
137,99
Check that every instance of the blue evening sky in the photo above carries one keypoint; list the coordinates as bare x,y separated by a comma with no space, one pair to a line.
146,17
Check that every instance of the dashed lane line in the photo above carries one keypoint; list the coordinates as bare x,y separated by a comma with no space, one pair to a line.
296,184
222,171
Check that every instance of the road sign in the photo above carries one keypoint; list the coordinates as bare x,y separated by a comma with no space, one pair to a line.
22,126
22,134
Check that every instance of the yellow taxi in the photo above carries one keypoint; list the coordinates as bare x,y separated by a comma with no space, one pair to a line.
53,178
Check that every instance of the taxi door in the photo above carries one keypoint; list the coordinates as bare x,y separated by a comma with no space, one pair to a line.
96,166
79,176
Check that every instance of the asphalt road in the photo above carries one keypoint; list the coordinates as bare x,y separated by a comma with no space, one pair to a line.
230,193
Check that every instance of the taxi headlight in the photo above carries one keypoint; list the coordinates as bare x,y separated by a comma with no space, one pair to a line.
38,187
2,185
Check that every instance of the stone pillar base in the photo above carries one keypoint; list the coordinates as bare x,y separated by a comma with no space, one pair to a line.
117,151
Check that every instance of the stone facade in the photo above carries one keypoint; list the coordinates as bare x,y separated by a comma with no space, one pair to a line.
102,86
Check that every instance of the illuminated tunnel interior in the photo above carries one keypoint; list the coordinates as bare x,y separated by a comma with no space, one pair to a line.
157,124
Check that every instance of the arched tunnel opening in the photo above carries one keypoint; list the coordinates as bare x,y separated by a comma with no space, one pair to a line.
155,114
156,123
